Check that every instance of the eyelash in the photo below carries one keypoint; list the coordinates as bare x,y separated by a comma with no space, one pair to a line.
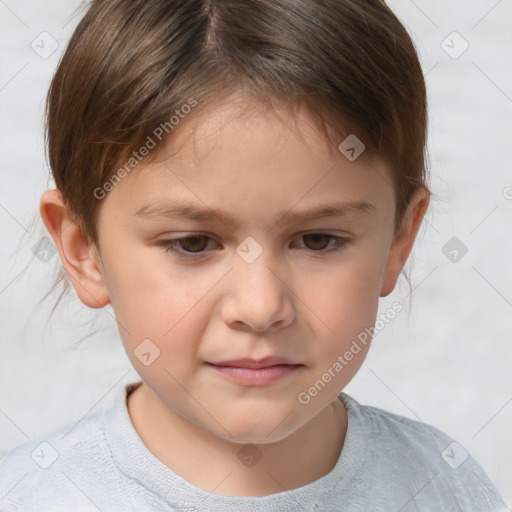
170,246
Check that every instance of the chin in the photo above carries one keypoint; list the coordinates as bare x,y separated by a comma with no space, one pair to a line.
256,430
256,437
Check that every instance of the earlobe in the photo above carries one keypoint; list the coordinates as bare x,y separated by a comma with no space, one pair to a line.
404,240
78,254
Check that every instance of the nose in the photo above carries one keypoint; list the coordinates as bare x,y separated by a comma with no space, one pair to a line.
258,297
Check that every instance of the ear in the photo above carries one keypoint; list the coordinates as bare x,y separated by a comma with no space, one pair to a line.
404,239
79,256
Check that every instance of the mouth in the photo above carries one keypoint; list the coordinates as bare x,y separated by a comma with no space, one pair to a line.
249,372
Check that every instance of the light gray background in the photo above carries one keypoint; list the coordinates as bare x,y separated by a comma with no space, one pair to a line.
446,362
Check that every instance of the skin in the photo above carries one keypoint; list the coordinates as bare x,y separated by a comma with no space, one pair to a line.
292,301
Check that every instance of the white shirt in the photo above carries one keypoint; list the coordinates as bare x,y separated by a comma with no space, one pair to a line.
388,463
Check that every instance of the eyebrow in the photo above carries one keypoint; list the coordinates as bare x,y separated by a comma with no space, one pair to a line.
194,211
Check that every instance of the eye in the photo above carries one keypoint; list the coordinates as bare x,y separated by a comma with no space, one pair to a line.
192,247
324,242
187,247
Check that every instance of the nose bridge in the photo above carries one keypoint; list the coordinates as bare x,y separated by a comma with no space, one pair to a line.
255,272
257,293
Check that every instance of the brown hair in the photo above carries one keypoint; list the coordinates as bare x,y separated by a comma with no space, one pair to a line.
133,64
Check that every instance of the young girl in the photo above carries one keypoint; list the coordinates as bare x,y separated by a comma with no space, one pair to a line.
241,181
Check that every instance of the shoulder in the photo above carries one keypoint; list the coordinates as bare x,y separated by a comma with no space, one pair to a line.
415,455
388,431
391,428
76,468
31,472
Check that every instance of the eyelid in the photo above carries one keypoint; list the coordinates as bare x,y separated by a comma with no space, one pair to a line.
169,244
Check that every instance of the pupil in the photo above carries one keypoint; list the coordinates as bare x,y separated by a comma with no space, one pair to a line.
192,241
316,238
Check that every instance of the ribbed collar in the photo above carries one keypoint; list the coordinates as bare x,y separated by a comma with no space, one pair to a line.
136,462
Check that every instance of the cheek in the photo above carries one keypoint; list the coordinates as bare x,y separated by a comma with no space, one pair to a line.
345,304
346,297
144,282
159,301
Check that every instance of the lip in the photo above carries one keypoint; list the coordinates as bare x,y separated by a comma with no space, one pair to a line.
249,372
266,362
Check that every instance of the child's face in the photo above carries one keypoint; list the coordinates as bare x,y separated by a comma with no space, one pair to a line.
299,300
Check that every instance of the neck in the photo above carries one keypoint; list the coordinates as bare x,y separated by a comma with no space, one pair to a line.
206,461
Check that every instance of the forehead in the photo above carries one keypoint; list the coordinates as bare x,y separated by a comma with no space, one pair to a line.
236,120
240,158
